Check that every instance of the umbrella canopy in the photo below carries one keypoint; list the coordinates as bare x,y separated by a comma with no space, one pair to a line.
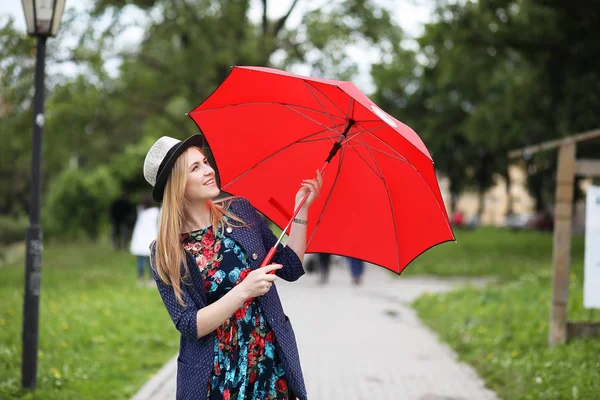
269,129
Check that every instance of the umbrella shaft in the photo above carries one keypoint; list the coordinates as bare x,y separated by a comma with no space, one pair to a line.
336,147
297,210
271,253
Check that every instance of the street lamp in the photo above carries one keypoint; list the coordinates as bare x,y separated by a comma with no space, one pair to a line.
42,18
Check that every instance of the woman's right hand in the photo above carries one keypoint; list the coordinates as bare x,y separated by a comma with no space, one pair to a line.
259,281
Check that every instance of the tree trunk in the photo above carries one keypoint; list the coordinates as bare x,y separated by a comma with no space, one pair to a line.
509,199
481,206
538,195
454,194
453,201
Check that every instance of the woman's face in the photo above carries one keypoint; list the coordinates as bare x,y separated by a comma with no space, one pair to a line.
201,184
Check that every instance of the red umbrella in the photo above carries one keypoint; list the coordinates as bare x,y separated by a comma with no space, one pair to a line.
380,201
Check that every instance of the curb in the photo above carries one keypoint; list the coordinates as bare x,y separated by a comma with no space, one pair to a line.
154,385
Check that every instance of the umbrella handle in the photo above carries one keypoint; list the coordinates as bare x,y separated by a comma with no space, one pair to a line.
269,257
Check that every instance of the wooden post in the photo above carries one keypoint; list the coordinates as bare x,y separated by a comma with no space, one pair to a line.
561,248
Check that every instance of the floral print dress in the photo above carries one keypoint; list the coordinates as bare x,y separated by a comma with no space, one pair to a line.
246,362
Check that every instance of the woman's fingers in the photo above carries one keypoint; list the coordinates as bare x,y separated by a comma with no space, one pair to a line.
311,186
267,286
271,267
312,189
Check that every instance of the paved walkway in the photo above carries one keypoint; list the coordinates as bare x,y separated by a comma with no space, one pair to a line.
363,343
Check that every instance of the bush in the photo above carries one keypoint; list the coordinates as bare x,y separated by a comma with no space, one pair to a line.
78,202
12,230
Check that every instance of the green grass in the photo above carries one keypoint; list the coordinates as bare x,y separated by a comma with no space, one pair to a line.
491,252
101,336
502,330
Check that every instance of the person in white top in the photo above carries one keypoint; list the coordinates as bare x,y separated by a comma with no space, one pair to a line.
144,232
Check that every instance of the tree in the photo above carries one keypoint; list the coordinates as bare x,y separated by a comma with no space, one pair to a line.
16,93
95,117
190,49
501,74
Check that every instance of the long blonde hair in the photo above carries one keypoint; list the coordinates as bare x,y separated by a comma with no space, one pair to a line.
169,250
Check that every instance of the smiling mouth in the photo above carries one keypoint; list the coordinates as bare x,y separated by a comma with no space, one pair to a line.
210,182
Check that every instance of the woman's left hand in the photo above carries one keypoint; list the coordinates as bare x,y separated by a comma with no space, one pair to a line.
313,186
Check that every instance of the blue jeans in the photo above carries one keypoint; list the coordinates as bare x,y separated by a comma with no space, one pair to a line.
142,261
357,267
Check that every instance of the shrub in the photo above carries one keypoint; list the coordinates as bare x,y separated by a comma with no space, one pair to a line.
12,230
78,202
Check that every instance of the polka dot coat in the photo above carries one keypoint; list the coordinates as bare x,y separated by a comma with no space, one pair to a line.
195,360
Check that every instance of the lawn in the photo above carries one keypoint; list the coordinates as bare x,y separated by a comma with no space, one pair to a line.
101,336
502,330
491,252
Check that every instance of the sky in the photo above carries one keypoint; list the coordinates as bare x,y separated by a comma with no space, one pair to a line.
409,14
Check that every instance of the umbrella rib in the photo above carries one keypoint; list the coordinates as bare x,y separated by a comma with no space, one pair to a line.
350,108
311,109
377,128
333,103
328,196
312,120
403,159
263,103
273,154
291,108
366,162
332,139
309,86
369,120
357,133
387,190
418,173
315,140
369,131
397,152
409,142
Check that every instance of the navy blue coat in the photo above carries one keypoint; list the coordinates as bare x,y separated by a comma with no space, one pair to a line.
195,360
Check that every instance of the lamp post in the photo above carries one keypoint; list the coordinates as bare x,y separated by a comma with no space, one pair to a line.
42,18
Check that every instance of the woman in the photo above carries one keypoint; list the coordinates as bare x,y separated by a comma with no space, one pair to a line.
145,232
236,342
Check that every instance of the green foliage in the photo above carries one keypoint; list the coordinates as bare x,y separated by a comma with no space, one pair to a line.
502,329
78,202
495,75
126,166
325,35
76,125
91,346
187,48
12,230
488,76
16,80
